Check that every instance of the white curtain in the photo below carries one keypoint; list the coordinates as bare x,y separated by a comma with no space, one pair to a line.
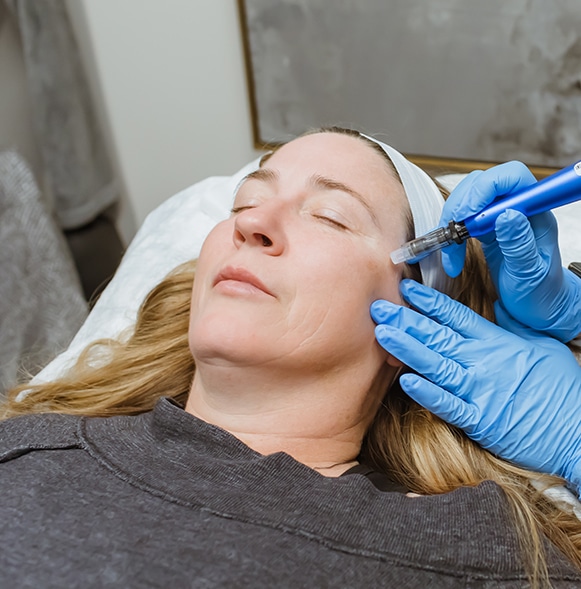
77,167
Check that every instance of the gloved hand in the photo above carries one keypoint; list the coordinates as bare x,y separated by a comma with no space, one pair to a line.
516,394
522,254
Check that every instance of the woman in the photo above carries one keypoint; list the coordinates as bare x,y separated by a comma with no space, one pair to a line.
258,481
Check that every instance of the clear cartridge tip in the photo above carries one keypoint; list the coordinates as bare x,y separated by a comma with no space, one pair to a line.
403,254
417,249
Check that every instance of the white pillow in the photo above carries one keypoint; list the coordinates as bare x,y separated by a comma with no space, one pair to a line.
174,232
170,235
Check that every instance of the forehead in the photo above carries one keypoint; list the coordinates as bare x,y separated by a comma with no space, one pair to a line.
343,158
331,151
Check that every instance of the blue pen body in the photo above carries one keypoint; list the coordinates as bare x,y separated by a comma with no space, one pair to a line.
561,188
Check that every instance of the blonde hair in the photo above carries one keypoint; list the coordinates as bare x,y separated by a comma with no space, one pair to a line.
428,456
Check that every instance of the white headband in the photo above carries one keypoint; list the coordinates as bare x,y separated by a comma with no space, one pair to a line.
426,203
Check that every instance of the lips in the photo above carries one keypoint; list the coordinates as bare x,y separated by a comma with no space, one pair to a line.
241,275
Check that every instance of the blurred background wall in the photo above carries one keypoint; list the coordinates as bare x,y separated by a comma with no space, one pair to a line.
169,83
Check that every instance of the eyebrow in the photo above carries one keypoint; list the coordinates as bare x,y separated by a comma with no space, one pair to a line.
317,181
329,184
262,174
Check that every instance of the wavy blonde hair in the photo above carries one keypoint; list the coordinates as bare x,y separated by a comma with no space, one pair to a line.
127,377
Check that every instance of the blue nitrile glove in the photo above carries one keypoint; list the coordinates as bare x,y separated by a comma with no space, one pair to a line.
522,254
516,394
472,194
525,265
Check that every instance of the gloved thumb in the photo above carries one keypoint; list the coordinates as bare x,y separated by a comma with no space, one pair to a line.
517,243
453,259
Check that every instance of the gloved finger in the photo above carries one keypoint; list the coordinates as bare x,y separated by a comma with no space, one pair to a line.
518,245
459,199
441,370
454,255
453,258
479,189
544,226
446,311
546,233
437,337
508,178
441,403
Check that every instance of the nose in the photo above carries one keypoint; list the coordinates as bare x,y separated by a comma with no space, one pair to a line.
260,227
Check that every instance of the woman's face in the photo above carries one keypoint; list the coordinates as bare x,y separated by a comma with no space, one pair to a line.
287,280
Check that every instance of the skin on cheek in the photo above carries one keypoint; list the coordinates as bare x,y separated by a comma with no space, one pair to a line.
389,277
379,264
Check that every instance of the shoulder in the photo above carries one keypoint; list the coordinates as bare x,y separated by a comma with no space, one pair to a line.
20,435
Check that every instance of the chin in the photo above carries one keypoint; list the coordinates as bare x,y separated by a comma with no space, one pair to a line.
214,339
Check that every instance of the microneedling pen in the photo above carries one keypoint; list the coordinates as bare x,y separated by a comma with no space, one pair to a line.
561,188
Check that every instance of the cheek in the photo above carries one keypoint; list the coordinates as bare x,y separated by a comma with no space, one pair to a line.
385,280
364,267
218,241
363,279
215,245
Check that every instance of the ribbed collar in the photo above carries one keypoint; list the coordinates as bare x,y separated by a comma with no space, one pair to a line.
175,456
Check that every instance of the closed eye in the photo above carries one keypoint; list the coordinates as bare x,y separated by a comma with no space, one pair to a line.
330,220
235,210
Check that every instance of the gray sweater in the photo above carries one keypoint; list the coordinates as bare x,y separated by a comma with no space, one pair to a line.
166,500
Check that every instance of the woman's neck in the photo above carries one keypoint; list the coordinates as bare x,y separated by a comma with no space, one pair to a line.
319,420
